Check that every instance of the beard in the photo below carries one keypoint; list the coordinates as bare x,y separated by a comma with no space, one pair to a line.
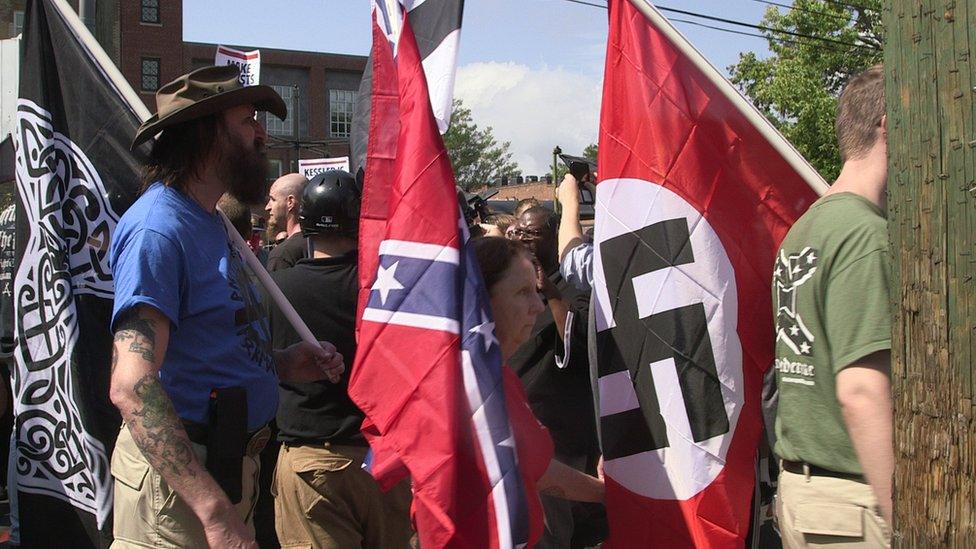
245,169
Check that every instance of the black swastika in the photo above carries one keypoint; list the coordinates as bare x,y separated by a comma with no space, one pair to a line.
635,343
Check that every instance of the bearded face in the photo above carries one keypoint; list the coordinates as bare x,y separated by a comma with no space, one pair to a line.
243,163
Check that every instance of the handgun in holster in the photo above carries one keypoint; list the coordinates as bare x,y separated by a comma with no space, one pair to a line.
227,438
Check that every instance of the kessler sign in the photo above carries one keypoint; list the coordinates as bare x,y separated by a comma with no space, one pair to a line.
310,167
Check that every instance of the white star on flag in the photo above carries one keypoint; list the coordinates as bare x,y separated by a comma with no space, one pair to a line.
386,282
486,330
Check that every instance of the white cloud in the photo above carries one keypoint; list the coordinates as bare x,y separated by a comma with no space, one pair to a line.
534,109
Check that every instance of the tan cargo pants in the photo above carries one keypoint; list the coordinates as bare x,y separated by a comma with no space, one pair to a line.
820,511
148,513
323,498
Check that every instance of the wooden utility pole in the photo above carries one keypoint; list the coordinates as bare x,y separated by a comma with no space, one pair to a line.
930,81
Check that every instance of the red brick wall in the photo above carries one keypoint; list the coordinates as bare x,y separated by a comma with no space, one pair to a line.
138,40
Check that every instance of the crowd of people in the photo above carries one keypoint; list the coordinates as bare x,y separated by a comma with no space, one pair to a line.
237,433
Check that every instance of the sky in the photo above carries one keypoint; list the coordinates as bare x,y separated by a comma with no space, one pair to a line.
530,69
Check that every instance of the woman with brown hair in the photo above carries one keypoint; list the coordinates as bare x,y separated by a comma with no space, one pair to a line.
510,278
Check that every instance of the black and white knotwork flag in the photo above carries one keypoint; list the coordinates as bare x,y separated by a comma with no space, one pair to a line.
75,176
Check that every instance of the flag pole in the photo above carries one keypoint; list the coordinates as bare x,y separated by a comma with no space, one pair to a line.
111,72
273,290
775,138
102,60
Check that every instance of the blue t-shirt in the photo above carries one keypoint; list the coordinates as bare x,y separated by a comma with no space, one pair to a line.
171,254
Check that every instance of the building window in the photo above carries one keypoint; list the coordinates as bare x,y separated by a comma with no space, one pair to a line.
18,22
341,106
150,11
274,169
284,127
150,74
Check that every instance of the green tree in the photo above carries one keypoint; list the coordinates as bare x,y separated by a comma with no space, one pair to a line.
798,85
590,152
477,157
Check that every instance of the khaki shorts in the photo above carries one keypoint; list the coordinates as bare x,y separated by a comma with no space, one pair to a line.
821,511
150,514
323,498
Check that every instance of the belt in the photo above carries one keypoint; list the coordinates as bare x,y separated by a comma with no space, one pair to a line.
256,440
804,468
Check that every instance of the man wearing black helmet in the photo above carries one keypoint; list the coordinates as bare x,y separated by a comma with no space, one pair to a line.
323,497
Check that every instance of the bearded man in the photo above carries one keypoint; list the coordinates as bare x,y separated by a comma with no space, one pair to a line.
193,373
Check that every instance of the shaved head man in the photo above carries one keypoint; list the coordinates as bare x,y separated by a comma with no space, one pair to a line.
282,208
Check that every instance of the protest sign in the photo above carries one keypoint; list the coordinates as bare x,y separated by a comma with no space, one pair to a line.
310,167
249,62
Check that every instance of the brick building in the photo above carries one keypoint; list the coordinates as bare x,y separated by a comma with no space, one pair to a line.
145,40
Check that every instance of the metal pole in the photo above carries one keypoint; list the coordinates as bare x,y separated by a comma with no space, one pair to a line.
555,178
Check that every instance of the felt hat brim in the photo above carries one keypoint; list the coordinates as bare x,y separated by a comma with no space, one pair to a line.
264,98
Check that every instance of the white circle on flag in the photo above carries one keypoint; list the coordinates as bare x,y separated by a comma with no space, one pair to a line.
684,468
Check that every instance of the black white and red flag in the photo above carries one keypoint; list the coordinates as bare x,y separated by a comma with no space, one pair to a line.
697,190
437,28
75,119
439,404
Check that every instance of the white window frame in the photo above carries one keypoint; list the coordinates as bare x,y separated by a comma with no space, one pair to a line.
342,103
286,127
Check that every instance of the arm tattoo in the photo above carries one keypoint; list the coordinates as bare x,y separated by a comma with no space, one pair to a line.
141,333
161,438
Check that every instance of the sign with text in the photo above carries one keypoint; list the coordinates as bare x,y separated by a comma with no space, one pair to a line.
249,62
310,167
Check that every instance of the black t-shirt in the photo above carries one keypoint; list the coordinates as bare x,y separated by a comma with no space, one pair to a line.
561,398
8,233
287,254
324,293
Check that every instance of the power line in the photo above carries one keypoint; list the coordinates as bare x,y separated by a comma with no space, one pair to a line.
743,33
747,25
765,28
586,3
806,10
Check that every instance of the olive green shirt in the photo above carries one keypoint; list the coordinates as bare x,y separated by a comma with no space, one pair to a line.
830,300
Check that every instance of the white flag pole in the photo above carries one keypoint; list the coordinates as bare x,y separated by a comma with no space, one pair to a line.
115,77
102,60
776,139
273,290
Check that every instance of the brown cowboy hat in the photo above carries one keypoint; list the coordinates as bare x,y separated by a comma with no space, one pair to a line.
203,92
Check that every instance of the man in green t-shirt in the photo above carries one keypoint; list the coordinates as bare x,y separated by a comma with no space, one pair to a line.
833,341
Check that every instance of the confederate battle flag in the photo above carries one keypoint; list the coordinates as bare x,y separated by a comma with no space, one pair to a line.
428,374
696,192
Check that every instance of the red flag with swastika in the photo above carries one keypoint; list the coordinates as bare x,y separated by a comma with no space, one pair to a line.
697,190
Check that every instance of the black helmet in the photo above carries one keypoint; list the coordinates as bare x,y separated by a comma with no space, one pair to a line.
330,205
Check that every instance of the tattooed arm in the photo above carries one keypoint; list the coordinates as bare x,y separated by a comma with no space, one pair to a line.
141,338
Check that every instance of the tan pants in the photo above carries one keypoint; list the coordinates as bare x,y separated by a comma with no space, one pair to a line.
148,513
820,511
323,498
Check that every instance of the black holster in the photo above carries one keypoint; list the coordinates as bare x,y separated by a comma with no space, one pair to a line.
227,438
